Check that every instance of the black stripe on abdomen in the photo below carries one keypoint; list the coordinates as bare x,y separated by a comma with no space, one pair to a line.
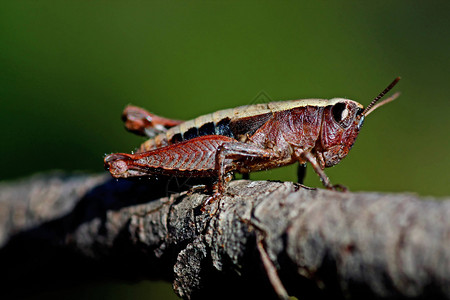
220,128
191,133
223,128
207,129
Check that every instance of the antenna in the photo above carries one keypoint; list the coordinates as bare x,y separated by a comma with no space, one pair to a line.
371,107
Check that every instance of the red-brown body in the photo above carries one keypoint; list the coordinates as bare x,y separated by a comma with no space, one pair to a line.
244,139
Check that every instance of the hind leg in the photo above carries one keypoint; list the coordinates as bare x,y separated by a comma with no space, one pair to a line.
142,122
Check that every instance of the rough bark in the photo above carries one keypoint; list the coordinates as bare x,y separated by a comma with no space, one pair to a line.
260,240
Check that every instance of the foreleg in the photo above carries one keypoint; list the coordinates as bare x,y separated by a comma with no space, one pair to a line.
323,177
301,173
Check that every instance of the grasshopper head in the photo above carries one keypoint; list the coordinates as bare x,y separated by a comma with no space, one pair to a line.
341,124
340,127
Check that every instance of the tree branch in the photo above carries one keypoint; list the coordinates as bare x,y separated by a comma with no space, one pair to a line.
260,240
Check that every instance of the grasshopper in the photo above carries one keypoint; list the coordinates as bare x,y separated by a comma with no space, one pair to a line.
245,139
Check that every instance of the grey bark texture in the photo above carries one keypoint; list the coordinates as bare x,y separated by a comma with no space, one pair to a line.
260,240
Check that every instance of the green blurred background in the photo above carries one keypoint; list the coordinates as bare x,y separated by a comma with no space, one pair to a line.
68,68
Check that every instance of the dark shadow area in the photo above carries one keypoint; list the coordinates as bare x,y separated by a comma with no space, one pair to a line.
38,260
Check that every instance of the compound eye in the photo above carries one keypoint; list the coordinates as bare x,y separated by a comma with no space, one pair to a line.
341,113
